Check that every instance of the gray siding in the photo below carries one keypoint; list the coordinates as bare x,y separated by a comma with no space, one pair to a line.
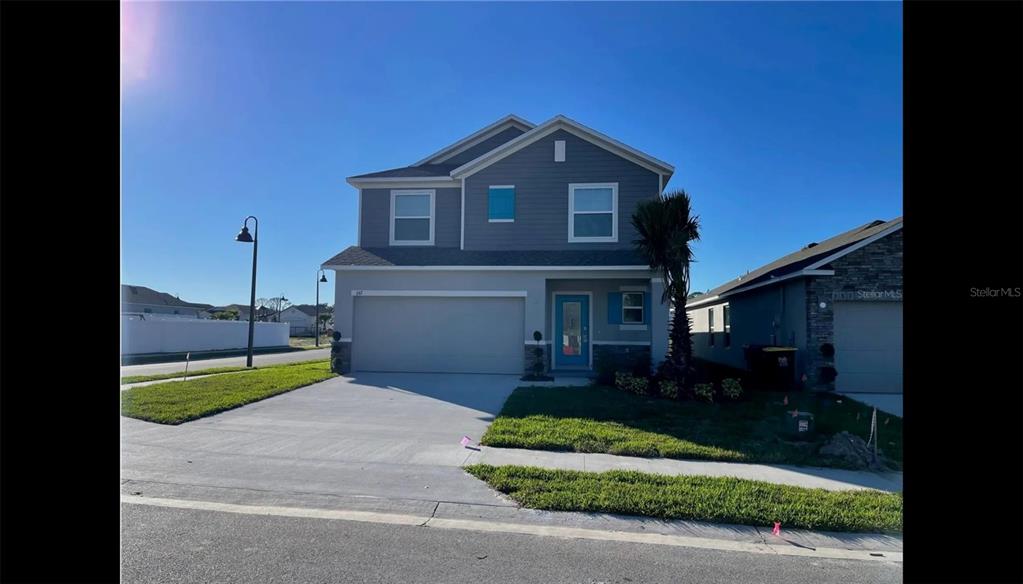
773,315
485,146
541,195
376,216
601,331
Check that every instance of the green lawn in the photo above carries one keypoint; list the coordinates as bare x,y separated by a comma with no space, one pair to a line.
175,402
159,376
715,499
309,342
604,419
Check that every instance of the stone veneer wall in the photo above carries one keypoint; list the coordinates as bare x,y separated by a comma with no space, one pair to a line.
341,361
530,356
876,267
618,351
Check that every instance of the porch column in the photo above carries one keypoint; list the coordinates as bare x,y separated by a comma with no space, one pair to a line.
658,322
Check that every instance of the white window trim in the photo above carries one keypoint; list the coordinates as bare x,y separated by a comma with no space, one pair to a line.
613,238
432,217
642,309
489,220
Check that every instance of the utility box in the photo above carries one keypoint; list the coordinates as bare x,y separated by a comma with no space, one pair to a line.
800,425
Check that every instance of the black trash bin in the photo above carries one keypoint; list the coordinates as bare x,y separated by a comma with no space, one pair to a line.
772,368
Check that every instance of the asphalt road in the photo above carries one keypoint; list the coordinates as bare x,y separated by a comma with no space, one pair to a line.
268,359
184,545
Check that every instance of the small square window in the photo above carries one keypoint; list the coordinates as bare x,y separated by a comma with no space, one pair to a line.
501,204
632,308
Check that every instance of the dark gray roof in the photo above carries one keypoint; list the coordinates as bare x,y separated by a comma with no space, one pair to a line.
800,259
144,295
310,309
440,256
426,170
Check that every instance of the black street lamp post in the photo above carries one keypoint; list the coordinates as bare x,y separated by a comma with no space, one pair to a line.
244,237
316,325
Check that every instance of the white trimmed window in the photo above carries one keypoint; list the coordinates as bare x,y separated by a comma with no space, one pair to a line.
593,212
412,217
632,308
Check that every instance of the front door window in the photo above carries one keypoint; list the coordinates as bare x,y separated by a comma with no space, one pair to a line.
572,334
571,338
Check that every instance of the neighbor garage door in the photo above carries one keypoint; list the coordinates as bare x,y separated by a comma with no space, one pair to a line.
438,334
868,347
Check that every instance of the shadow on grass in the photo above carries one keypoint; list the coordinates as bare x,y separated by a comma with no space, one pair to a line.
605,419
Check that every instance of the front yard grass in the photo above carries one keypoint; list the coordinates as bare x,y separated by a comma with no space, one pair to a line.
714,499
608,420
158,376
175,402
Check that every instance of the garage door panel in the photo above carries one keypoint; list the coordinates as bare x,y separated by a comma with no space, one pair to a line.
437,334
868,346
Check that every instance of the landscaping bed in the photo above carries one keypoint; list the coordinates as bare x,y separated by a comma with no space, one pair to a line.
175,402
608,420
713,499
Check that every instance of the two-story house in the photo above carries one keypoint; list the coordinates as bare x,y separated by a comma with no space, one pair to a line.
514,229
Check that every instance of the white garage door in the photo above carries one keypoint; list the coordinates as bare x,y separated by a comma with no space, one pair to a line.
868,347
438,334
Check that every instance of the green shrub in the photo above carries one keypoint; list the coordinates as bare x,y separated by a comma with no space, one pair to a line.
704,391
631,383
668,388
731,388
608,363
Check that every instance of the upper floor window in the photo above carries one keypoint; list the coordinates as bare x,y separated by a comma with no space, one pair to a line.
412,217
592,212
501,204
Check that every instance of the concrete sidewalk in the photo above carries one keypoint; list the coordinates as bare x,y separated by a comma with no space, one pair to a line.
832,479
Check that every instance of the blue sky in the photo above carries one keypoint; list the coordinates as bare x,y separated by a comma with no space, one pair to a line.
783,121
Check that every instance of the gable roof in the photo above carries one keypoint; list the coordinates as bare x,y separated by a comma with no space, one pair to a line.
560,122
310,309
432,170
508,121
811,257
143,295
422,171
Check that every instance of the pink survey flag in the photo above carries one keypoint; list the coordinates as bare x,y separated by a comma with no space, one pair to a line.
466,441
786,402
777,528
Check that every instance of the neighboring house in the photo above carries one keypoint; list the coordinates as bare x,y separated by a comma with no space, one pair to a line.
514,229
302,318
262,314
142,300
846,291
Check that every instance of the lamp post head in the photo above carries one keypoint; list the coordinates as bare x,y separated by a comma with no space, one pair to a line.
323,278
243,235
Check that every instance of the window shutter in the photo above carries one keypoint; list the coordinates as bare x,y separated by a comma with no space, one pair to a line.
646,308
614,308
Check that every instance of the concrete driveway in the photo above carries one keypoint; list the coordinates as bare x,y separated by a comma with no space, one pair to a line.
372,434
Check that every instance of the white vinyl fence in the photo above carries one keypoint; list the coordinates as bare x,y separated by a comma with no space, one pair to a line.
179,335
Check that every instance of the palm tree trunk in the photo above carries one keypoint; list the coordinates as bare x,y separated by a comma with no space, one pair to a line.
680,344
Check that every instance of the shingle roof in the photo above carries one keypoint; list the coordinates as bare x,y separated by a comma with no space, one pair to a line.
426,170
310,309
439,256
144,295
796,261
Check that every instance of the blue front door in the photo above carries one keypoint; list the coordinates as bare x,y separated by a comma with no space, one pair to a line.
571,331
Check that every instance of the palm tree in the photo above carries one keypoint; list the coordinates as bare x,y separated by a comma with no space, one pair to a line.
666,226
